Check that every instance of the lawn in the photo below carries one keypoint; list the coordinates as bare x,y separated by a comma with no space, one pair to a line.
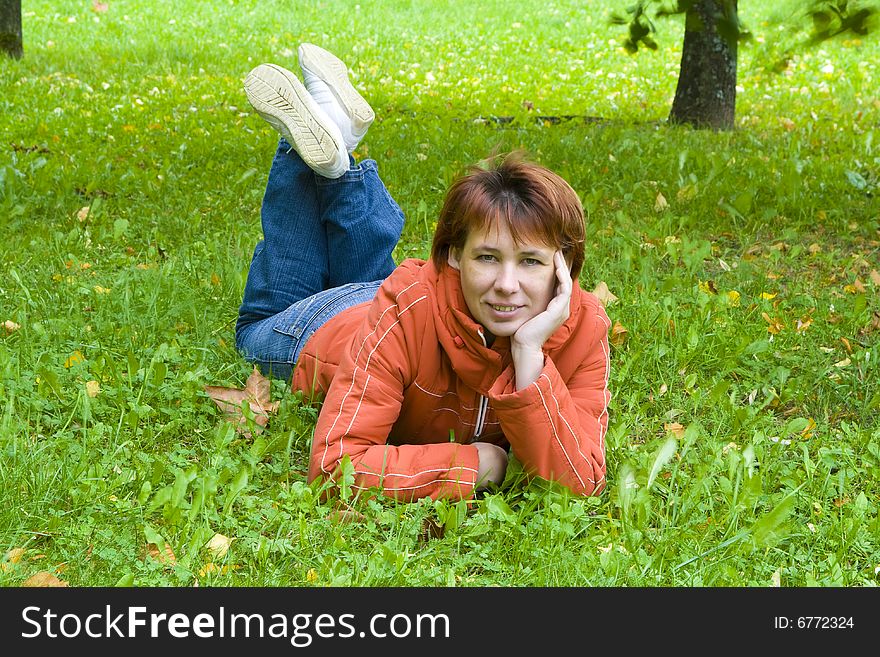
744,440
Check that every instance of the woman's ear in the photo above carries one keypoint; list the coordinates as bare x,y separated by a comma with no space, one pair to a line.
454,258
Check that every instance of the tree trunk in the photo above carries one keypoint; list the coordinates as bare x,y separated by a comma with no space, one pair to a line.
706,92
10,28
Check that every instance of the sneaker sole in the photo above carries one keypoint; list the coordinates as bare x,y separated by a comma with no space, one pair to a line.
282,100
334,73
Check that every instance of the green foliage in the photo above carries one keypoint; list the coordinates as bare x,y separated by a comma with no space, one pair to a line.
108,443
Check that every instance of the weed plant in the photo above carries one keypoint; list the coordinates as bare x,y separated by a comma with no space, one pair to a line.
744,442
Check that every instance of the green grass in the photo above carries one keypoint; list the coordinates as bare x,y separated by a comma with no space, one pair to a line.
138,113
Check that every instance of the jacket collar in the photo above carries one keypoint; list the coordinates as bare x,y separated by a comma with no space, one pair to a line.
462,337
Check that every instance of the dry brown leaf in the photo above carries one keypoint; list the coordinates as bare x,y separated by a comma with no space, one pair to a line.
875,277
167,558
843,363
847,345
431,529
99,7
604,294
93,388
256,392
14,555
44,579
10,327
343,516
219,545
774,325
83,213
619,334
814,249
675,428
660,203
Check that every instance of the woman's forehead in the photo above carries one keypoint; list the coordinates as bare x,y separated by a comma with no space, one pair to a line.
498,236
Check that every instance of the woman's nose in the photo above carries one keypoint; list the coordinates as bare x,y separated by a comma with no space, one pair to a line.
506,281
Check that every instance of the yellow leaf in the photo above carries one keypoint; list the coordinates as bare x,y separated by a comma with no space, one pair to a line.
14,555
767,296
10,327
803,324
814,249
708,287
83,213
674,428
312,575
774,325
73,359
166,558
219,545
843,363
93,388
660,203
619,334
604,294
43,579
808,430
215,280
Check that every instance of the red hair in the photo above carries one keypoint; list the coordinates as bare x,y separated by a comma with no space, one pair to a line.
534,203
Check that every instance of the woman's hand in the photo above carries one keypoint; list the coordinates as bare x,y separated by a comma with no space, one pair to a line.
493,465
526,344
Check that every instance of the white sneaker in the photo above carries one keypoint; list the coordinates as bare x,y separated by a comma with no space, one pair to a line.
326,78
281,99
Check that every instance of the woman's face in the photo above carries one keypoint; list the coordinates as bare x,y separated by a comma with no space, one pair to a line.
505,284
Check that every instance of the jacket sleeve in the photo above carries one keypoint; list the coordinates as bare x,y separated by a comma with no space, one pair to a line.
557,427
364,400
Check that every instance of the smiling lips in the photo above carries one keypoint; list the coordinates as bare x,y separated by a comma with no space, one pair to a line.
503,309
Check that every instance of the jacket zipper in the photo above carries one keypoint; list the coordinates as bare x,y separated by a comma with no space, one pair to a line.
483,404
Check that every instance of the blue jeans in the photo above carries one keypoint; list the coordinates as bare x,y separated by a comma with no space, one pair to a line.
326,246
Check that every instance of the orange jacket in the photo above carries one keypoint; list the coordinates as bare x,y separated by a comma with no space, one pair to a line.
409,384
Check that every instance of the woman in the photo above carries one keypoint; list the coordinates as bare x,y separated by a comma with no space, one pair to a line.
430,371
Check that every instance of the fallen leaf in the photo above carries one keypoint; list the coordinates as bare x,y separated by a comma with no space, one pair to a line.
776,579
431,529
167,558
11,559
619,334
99,7
213,569
675,429
708,287
803,324
10,327
847,345
660,203
93,389
875,277
83,213
14,555
604,294
843,363
73,359
808,430
256,392
814,249
774,325
767,296
44,579
219,545
344,516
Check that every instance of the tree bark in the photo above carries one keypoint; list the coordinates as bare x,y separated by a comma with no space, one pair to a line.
706,92
10,28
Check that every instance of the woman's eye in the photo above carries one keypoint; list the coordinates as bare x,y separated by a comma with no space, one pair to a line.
531,261
485,257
